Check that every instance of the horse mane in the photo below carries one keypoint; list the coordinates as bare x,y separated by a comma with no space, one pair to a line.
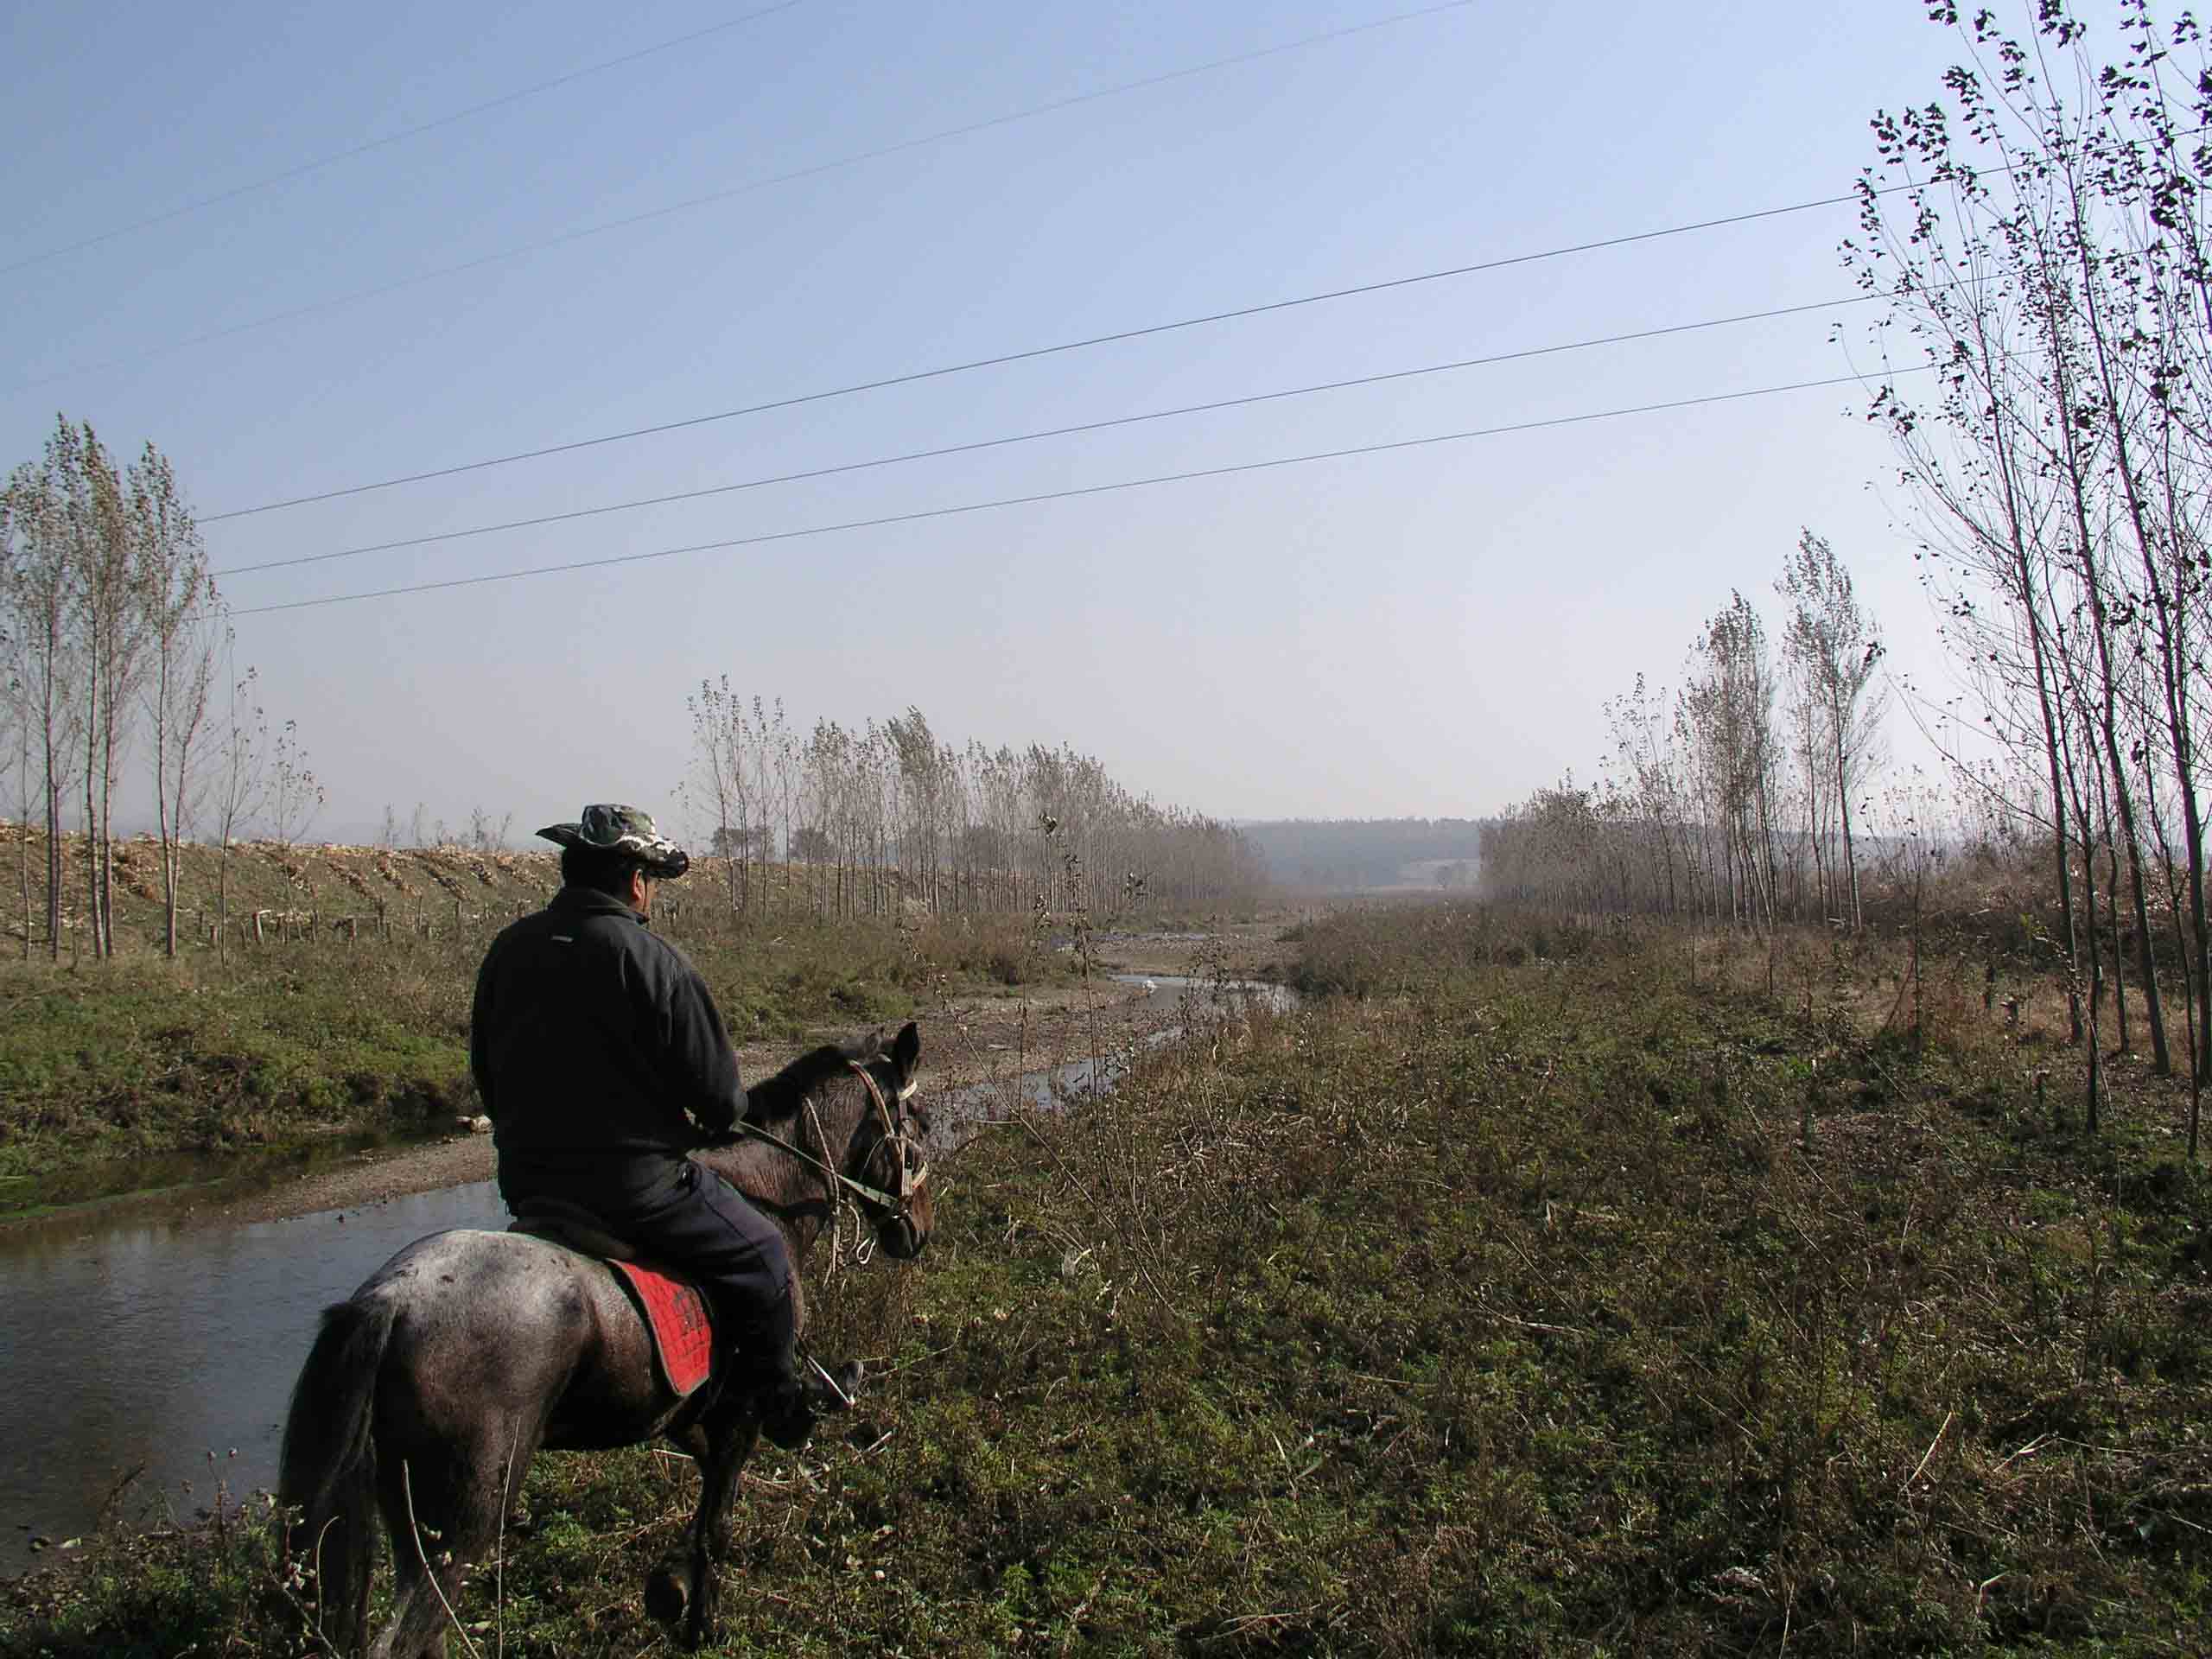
780,1096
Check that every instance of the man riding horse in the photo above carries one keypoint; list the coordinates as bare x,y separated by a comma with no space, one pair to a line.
603,1061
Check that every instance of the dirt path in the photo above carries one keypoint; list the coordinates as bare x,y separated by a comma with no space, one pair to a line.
966,1041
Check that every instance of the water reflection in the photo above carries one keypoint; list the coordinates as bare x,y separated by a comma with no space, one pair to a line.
155,1345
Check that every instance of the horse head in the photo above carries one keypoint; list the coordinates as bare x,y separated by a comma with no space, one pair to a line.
887,1163
842,1121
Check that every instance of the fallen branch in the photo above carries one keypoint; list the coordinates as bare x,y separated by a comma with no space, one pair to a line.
1930,1451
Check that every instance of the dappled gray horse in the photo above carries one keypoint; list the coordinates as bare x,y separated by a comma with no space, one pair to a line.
430,1391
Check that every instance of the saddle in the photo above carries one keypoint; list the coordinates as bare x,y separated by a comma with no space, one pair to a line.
572,1226
675,1310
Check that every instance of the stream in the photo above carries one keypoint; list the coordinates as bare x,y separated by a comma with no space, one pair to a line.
148,1359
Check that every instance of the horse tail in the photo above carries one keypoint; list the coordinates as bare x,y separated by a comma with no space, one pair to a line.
326,1477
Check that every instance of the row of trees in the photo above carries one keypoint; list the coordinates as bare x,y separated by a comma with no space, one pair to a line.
891,814
2039,240
1735,797
112,634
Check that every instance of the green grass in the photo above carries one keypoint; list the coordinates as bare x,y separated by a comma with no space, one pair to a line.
1502,1312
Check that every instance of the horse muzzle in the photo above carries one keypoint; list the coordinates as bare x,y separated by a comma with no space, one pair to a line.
901,1235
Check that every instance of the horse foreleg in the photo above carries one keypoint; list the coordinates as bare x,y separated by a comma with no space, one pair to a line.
668,1586
726,1442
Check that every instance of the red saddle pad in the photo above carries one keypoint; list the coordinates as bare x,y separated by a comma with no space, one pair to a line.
684,1336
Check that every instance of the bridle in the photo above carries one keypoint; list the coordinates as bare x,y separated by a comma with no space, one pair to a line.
894,1136
836,1183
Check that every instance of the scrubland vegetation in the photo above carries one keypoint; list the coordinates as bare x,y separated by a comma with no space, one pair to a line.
1537,1287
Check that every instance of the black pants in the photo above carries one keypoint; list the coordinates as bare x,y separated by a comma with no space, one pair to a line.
697,1224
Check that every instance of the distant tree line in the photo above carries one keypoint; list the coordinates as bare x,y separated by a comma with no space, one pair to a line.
1343,855
891,815
114,642
483,834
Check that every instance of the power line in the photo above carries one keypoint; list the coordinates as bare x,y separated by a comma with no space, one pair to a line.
1077,492
1028,355
404,133
607,227
1384,285
1049,432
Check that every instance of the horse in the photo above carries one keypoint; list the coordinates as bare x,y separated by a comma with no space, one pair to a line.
427,1393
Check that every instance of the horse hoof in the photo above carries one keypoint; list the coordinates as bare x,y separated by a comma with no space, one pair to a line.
666,1594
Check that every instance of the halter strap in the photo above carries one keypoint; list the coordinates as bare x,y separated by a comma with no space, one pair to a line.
908,1181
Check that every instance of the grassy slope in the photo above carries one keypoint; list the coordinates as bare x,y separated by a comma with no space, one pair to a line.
1500,1314
309,1031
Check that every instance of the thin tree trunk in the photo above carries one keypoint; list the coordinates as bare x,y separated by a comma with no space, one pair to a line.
23,845
2039,656
2125,469
53,859
2192,821
2119,951
23,873
2123,802
2086,544
172,857
107,834
2096,974
2189,1003
91,827
1843,802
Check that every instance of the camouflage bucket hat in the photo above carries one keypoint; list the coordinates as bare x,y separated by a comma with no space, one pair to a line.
623,830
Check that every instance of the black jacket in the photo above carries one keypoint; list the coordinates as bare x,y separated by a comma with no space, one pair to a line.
596,1048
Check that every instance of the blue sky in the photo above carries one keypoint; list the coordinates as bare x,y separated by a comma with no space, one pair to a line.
1430,631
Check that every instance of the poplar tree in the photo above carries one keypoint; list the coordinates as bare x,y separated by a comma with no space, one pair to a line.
1834,646
181,612
2038,234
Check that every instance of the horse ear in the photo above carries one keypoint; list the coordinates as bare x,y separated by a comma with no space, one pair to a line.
906,1049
